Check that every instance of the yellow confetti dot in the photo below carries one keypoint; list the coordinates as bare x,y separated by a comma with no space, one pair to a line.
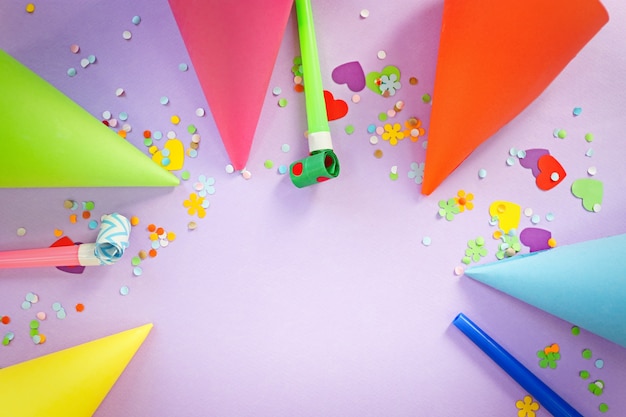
134,221
171,236
552,242
154,236
175,119
30,7
497,234
153,149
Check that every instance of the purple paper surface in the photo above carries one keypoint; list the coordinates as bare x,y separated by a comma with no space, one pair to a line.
335,300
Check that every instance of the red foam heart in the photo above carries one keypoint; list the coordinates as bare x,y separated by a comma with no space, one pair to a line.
551,172
335,108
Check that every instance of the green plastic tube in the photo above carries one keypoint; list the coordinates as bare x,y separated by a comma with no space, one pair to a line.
322,163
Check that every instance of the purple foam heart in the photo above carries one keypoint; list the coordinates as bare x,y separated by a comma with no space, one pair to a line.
535,238
351,74
531,159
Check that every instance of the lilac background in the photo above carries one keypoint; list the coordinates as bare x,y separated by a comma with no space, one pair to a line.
321,301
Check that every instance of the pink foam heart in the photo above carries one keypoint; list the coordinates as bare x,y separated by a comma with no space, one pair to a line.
351,74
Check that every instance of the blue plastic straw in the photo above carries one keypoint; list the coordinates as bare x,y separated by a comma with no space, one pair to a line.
549,399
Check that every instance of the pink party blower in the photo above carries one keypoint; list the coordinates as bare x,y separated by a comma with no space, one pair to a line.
110,244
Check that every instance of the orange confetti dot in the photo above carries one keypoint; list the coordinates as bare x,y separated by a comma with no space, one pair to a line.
152,253
160,231
122,133
80,307
151,228
86,214
134,221
552,242
5,320
42,338
298,88
73,218
58,232
147,134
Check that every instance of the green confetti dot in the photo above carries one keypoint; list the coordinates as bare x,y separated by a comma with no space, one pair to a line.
589,137
575,330
136,260
587,353
185,175
349,129
426,98
282,102
147,142
561,134
34,324
89,205
191,129
382,117
268,164
393,176
603,407
584,374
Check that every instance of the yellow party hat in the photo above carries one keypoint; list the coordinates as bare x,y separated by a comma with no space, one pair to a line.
69,383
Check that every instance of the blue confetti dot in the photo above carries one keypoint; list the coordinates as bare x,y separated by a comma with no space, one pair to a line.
192,153
123,116
137,271
282,169
136,20
371,128
164,100
183,67
71,72
93,225
157,135
91,59
165,162
426,241
57,306
577,111
124,290
482,173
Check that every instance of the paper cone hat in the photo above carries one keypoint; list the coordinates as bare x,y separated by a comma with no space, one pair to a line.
583,283
69,383
233,46
47,140
495,58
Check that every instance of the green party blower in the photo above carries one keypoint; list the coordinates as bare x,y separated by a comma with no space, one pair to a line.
322,163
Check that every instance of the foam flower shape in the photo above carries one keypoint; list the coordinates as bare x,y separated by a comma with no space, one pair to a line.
510,246
448,208
389,84
195,205
417,172
393,133
475,250
527,407
205,186
464,200
548,359
414,129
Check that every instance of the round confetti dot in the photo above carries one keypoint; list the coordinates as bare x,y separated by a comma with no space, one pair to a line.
413,81
561,134
426,98
577,111
5,319
137,271
37,339
521,154
349,129
535,219
552,242
356,98
135,260
373,140
200,112
229,169
550,217
56,306
93,225
381,54
276,91
599,363
268,164
91,59
285,147
482,173
185,175
71,72
282,169
21,231
183,67
510,161
192,226
30,8
575,330
592,171
603,408
528,212
84,62
364,13
586,353
164,100
555,176
589,137
124,290
171,134
134,220
378,154
246,174
459,270
426,241
41,315
175,119
136,20
80,307
282,102
119,92
382,117
127,35
26,305
61,314
596,208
